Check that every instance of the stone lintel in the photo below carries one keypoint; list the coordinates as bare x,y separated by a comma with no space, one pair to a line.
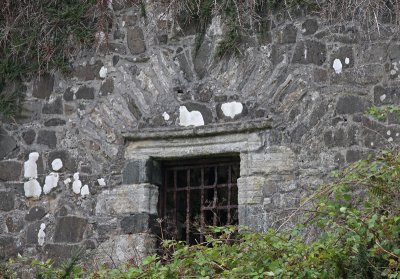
200,131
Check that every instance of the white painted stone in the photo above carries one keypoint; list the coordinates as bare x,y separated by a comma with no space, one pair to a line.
77,184
100,37
32,189
166,116
190,118
305,53
103,72
67,181
57,164
41,234
337,66
232,109
30,166
390,139
347,61
50,182
85,191
397,134
382,97
393,72
372,144
388,133
101,182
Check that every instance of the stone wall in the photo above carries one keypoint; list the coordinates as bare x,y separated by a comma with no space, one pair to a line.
311,80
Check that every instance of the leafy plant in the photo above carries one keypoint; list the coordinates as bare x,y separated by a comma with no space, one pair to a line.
380,113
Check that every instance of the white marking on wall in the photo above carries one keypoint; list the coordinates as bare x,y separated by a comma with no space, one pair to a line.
305,53
56,164
50,182
166,116
388,133
390,139
67,181
85,191
337,66
41,234
232,109
103,72
32,189
30,167
347,61
190,118
382,97
101,182
77,184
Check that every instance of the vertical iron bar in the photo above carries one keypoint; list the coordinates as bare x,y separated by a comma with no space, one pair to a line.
215,197
175,220
229,194
187,206
201,206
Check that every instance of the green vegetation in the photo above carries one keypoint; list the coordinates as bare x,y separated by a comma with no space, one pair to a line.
357,224
380,113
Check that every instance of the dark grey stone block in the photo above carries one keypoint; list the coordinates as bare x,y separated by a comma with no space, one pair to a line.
7,143
35,213
89,72
70,229
54,122
288,35
139,223
60,253
85,92
135,40
8,247
48,138
107,86
351,104
310,26
68,95
55,107
7,200
10,170
309,52
29,136
43,86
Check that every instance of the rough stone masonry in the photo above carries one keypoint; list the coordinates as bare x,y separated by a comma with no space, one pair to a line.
292,106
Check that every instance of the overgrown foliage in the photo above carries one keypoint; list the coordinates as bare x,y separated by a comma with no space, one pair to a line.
358,218
380,113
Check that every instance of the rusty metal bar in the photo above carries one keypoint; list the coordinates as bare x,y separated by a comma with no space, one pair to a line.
202,221
188,206
229,193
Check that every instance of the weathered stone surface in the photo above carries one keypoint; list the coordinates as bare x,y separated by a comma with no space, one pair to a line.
60,253
10,170
89,72
117,48
124,248
115,60
309,52
287,35
8,247
54,122
32,231
15,224
43,86
29,136
47,137
129,199
344,54
35,213
69,162
309,26
351,104
272,161
53,107
133,108
107,87
85,92
354,155
251,189
7,143
7,200
68,94
70,229
139,223
335,138
135,40
386,95
200,61
320,75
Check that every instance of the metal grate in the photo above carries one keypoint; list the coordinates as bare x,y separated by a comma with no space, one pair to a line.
198,193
